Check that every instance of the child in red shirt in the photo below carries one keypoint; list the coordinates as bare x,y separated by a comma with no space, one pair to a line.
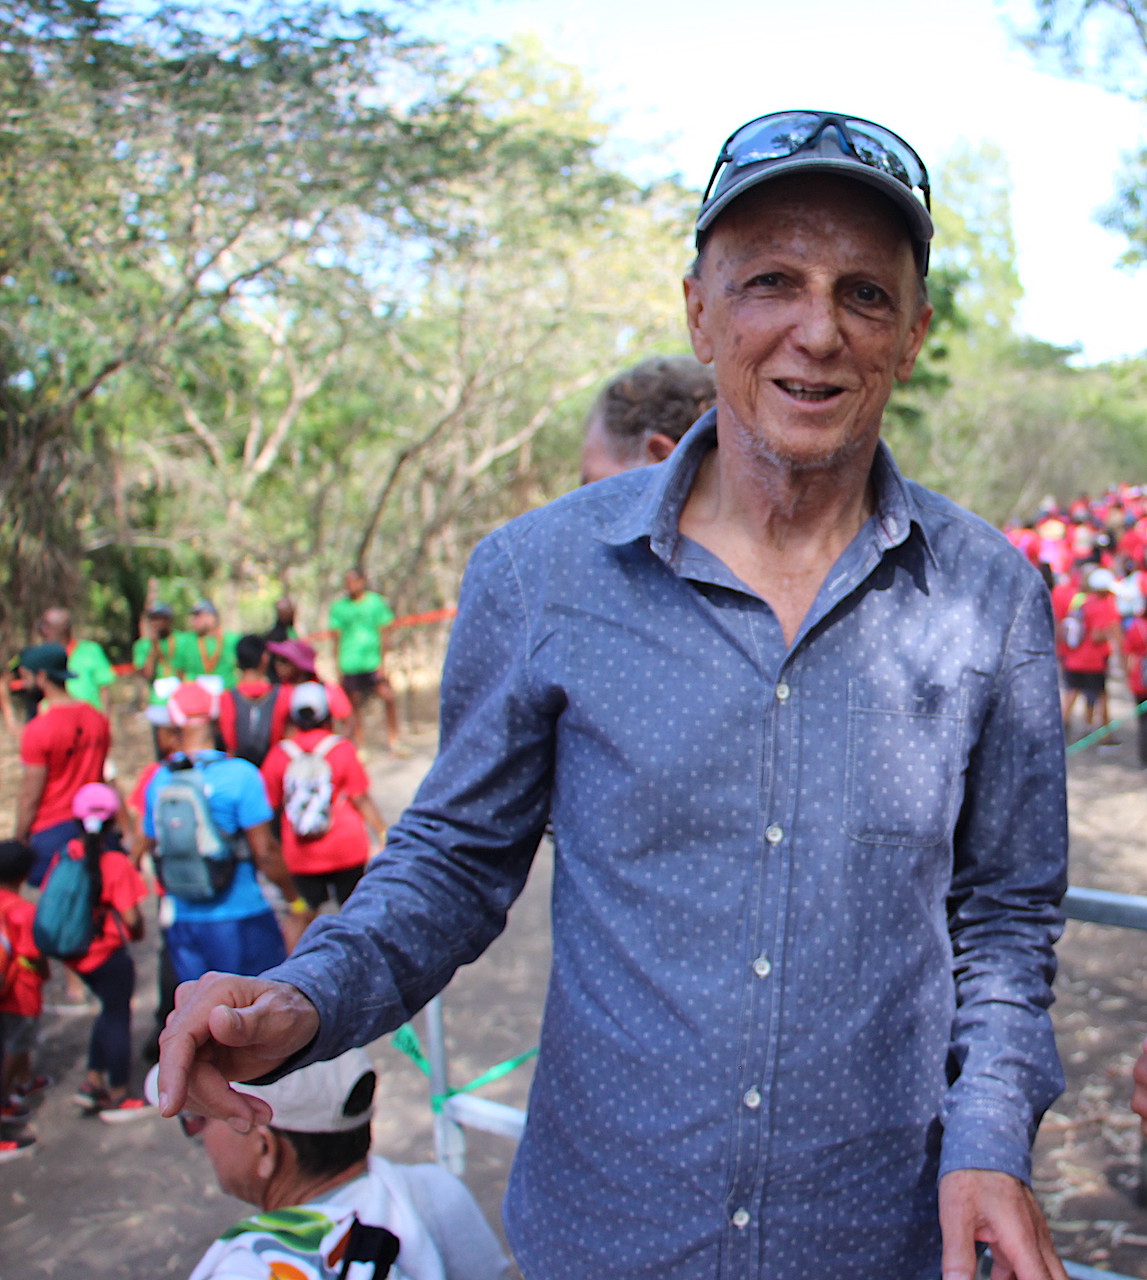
107,967
21,992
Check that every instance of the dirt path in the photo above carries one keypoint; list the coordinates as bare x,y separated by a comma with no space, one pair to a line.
137,1202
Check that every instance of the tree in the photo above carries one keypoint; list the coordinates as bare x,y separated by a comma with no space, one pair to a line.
155,168
1104,41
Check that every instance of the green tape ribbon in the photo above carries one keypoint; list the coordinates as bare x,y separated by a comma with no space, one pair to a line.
406,1041
1110,727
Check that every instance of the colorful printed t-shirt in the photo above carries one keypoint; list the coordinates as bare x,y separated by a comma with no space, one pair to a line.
358,622
347,843
71,740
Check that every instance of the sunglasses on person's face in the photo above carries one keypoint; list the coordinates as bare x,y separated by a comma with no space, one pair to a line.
191,1124
784,133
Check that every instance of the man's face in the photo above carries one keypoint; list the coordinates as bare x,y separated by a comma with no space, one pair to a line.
286,670
161,626
355,584
807,303
203,622
239,1159
599,456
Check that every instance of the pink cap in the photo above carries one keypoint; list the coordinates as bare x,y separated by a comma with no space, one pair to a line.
191,702
94,804
296,651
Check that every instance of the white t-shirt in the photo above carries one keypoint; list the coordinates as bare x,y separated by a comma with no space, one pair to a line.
441,1231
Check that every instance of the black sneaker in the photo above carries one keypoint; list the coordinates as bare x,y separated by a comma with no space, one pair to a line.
14,1148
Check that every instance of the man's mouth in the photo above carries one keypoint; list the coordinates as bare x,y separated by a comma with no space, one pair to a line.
801,391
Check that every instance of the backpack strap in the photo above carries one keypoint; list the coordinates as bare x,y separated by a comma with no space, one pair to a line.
327,745
292,748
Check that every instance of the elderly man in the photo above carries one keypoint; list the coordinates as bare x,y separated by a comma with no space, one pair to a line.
796,722
323,1199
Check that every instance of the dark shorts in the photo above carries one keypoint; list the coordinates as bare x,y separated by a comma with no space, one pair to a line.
359,682
318,889
1089,683
366,683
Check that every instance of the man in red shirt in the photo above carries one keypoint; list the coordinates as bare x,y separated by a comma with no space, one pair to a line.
252,715
61,749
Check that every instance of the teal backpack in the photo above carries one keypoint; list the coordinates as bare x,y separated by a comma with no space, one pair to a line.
65,920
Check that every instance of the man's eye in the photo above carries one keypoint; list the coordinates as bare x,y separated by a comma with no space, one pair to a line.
766,280
869,293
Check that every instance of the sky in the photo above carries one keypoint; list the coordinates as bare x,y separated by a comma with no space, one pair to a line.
675,78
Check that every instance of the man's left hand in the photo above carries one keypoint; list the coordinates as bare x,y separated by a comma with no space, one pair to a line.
1000,1211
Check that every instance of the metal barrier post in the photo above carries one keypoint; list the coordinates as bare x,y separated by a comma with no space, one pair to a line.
449,1138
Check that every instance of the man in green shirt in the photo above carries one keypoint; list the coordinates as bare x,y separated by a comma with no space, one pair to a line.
207,650
92,672
358,621
155,654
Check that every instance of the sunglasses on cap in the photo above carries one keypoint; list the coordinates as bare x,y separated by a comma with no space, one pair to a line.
785,133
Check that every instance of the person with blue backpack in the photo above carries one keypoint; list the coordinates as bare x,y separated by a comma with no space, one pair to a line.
207,825
88,912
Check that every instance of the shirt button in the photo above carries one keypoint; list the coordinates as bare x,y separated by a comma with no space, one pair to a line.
774,834
782,691
752,1098
762,966
741,1219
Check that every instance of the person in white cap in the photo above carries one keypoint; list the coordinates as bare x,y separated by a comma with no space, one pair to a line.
319,1192
1087,650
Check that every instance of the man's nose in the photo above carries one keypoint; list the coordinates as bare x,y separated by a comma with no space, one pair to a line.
817,325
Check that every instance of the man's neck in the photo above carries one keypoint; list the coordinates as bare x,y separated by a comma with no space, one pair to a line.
779,528
294,1188
56,695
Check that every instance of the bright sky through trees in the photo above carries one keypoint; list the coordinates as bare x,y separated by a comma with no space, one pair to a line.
677,76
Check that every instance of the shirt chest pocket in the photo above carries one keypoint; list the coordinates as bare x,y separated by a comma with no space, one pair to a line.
904,762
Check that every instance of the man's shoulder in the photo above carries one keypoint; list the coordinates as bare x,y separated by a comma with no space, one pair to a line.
581,519
954,534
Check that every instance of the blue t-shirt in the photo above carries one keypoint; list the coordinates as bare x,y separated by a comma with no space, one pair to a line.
238,801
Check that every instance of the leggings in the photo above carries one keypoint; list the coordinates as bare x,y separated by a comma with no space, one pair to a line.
109,1049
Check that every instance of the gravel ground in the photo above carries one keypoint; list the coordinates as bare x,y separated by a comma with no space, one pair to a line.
139,1201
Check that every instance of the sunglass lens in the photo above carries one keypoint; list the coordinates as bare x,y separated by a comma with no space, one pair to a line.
885,151
773,137
191,1124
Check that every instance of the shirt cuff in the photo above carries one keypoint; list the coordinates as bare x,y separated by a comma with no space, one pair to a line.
986,1135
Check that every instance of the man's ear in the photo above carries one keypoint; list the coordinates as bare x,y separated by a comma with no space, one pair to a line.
656,447
913,343
695,317
269,1154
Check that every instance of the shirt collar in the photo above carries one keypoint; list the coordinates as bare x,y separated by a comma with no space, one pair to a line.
657,513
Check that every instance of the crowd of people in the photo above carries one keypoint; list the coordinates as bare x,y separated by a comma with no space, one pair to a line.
1092,553
255,814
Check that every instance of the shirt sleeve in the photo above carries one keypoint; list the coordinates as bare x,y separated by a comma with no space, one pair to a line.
459,856
124,887
34,743
352,779
338,702
1009,874
252,808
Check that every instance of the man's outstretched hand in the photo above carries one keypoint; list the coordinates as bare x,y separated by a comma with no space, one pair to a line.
224,1028
999,1210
